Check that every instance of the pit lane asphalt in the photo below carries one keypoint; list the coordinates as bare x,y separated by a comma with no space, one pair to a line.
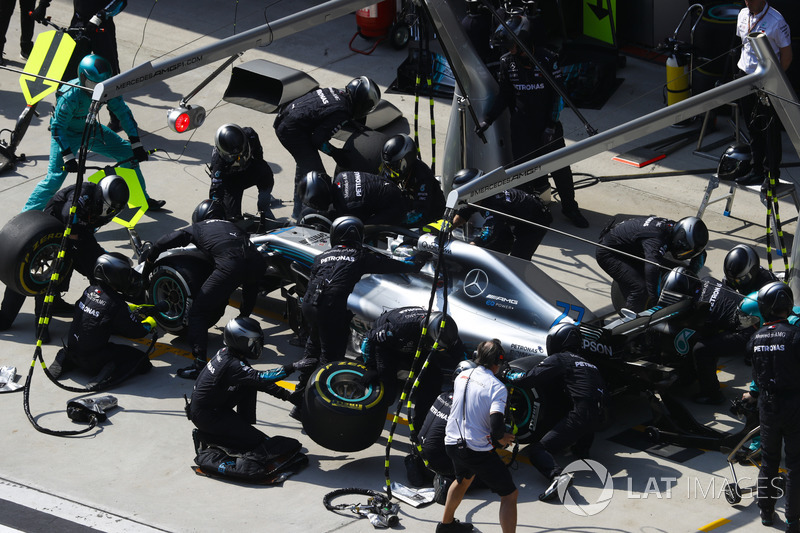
135,470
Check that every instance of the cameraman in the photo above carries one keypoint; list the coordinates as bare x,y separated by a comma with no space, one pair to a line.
475,426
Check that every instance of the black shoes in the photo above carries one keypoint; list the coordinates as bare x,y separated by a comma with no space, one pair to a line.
453,527
767,517
60,365
551,491
574,215
191,372
155,205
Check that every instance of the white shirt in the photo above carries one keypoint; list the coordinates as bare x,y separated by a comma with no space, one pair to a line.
485,394
770,22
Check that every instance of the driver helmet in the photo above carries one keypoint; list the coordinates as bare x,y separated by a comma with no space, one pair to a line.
563,337
92,70
735,162
208,210
398,156
447,335
364,95
114,270
688,238
243,337
741,266
680,280
111,196
232,144
315,190
775,301
347,230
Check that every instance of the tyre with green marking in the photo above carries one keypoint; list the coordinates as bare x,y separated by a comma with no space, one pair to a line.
29,243
177,280
341,414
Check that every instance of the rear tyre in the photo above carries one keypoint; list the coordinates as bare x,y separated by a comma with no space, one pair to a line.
399,35
30,242
338,412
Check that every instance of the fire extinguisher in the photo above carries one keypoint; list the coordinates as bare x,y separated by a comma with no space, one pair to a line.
677,80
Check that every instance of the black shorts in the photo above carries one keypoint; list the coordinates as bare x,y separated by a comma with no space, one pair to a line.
486,465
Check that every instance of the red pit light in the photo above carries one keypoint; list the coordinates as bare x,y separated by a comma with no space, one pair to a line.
182,122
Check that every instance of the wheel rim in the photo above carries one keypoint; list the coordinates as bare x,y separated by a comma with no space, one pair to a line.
42,263
343,386
169,290
520,407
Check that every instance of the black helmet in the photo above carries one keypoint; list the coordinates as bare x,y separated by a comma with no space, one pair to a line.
465,175
519,25
775,301
689,238
207,210
741,266
446,336
232,144
398,156
735,162
315,191
681,281
462,366
114,270
93,69
563,337
243,337
112,195
347,230
364,94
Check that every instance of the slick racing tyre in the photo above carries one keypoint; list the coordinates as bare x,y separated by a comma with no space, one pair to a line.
30,242
176,281
524,405
315,221
338,412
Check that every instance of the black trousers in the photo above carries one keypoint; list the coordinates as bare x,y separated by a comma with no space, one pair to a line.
25,22
259,175
780,424
577,428
765,134
706,352
328,333
306,156
227,428
629,273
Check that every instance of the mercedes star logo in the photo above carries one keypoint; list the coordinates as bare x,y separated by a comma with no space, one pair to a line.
475,282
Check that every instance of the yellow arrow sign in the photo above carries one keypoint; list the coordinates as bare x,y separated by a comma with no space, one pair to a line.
49,57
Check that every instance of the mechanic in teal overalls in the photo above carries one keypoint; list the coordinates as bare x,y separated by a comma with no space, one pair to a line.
67,124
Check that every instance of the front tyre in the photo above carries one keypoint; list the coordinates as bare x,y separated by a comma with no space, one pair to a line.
339,413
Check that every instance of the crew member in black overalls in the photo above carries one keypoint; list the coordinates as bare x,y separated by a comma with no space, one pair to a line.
371,198
564,370
305,125
423,196
535,110
237,163
392,343
236,262
96,206
776,371
334,274
101,312
743,270
228,382
504,234
649,238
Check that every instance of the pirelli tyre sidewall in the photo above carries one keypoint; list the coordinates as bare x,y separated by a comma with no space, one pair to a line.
524,405
30,243
338,413
176,281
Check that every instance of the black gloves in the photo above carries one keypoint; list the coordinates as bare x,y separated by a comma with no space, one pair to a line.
138,150
70,163
420,258
40,13
302,365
